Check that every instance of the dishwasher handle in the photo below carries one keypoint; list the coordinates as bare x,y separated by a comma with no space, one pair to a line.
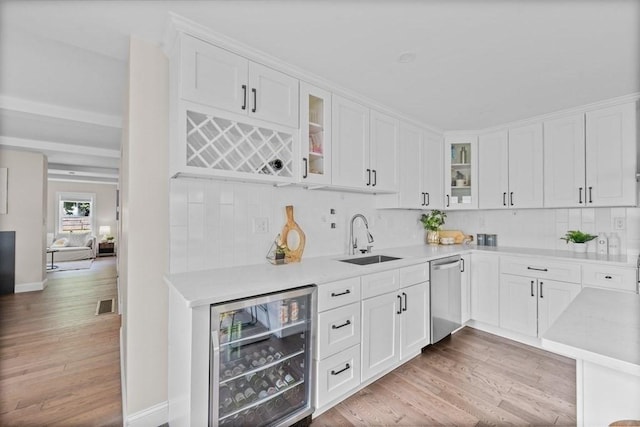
446,266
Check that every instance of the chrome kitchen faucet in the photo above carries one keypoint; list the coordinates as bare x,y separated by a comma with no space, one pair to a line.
353,242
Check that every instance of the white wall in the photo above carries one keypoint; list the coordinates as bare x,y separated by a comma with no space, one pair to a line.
104,205
144,230
26,214
212,222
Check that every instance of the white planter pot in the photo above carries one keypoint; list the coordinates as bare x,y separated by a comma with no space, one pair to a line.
580,247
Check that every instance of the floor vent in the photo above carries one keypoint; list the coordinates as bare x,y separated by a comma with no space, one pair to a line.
105,306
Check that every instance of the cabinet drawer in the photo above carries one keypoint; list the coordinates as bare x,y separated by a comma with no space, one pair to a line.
414,274
338,329
540,268
336,375
380,283
604,276
337,294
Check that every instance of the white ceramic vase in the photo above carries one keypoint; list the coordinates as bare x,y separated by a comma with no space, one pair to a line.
580,247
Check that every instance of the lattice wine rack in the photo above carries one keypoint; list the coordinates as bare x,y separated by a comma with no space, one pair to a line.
226,145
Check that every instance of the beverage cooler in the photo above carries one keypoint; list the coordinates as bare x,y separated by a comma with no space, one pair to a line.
260,368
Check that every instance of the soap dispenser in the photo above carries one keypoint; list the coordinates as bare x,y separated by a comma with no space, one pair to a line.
602,244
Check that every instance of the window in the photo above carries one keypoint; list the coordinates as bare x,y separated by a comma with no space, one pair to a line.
75,212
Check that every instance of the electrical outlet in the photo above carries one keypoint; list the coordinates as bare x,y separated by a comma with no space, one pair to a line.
260,225
618,223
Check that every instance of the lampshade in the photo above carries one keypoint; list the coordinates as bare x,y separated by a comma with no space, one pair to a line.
104,230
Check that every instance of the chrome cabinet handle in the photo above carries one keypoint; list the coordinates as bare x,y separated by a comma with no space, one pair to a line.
347,323
346,366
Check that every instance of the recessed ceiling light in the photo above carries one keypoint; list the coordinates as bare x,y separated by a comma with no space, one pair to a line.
406,57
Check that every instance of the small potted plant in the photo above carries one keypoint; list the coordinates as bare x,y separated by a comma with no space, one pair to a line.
432,223
579,239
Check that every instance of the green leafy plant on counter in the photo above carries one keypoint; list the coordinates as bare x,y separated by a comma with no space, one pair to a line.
433,220
577,236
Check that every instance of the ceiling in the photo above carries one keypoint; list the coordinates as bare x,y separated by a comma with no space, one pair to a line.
477,63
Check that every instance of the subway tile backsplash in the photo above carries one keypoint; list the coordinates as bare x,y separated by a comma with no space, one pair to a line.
212,223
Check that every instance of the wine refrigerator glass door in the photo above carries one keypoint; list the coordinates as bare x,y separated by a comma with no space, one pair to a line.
260,359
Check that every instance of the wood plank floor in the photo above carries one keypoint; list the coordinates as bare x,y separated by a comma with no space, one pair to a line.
59,362
470,379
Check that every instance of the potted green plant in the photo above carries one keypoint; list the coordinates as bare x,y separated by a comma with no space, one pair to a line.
432,222
579,239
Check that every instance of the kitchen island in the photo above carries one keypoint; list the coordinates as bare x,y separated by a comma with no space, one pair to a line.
601,331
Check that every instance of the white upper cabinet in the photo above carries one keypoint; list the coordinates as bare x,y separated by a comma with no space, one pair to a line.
511,168
461,172
213,76
611,150
432,170
493,170
274,95
350,150
364,147
315,131
526,167
221,79
590,159
383,160
564,162
420,171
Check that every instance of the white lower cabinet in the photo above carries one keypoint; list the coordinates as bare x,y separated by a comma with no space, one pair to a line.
380,333
337,375
531,302
485,288
415,319
465,291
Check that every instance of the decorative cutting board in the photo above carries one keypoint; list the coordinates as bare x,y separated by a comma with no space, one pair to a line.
292,255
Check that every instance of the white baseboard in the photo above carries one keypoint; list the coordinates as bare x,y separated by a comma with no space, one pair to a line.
30,287
151,417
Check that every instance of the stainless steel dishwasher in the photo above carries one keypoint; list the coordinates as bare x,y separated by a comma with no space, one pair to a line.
445,297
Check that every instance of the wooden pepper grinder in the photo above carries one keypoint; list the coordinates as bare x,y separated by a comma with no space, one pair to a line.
292,255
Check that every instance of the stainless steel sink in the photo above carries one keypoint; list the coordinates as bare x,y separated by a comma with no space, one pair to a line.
373,259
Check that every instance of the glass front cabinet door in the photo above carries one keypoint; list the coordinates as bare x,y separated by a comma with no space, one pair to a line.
461,172
315,138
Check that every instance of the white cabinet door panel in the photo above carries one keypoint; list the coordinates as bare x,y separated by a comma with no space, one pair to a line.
350,149
465,291
493,171
380,336
485,288
611,150
338,329
553,298
410,167
564,162
526,167
213,76
336,375
384,152
415,320
273,96
518,304
433,170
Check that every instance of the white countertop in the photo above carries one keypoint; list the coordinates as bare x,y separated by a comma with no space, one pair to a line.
599,326
224,284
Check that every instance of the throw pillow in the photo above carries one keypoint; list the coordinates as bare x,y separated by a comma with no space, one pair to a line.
60,243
